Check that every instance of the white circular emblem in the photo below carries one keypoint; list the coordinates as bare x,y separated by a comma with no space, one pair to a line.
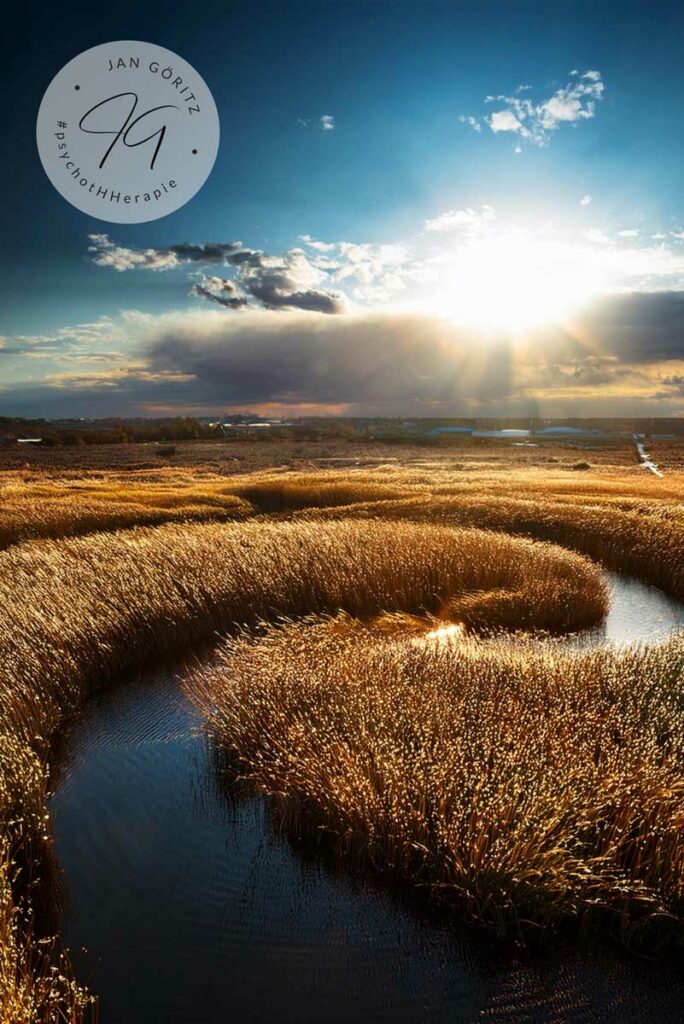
127,132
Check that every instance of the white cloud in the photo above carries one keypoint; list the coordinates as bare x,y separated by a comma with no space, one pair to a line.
596,236
107,254
535,122
472,122
628,233
326,122
314,244
585,200
469,221
504,121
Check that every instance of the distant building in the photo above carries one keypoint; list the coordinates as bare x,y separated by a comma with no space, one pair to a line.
450,430
568,432
509,432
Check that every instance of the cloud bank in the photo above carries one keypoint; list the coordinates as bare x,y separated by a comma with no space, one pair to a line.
624,355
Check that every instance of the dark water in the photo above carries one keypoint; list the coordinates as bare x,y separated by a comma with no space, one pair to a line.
193,910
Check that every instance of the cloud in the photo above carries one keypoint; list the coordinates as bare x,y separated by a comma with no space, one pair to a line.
119,378
462,252
325,123
585,200
74,340
472,122
374,272
409,357
220,290
596,236
312,243
675,383
536,122
305,358
504,121
106,253
283,281
624,349
287,282
470,222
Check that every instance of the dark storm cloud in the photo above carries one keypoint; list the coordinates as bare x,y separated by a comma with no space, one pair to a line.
675,383
373,358
409,358
385,362
212,252
589,372
635,327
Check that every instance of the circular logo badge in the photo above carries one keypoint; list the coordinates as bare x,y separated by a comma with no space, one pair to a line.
128,132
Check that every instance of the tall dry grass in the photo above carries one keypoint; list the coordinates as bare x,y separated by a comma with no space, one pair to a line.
92,604
522,784
82,610
37,985
69,507
639,531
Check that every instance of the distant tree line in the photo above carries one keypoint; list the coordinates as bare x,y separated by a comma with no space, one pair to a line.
71,433
76,432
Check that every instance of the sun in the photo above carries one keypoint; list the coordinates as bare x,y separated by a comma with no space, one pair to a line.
515,284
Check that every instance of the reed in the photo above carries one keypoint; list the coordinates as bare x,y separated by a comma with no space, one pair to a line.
521,784
66,508
92,607
37,985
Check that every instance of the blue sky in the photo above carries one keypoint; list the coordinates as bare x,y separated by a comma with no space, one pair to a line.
589,181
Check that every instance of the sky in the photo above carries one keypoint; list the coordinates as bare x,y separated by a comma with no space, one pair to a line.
418,209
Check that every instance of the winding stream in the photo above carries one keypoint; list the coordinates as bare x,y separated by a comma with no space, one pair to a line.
193,910
646,461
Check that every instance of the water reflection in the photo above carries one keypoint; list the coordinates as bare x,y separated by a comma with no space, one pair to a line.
638,613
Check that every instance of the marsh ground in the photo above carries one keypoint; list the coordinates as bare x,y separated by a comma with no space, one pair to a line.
568,806
248,456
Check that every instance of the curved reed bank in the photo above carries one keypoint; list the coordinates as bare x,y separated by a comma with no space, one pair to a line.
79,611
516,781
520,783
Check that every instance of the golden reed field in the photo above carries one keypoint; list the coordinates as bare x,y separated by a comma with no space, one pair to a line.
387,671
